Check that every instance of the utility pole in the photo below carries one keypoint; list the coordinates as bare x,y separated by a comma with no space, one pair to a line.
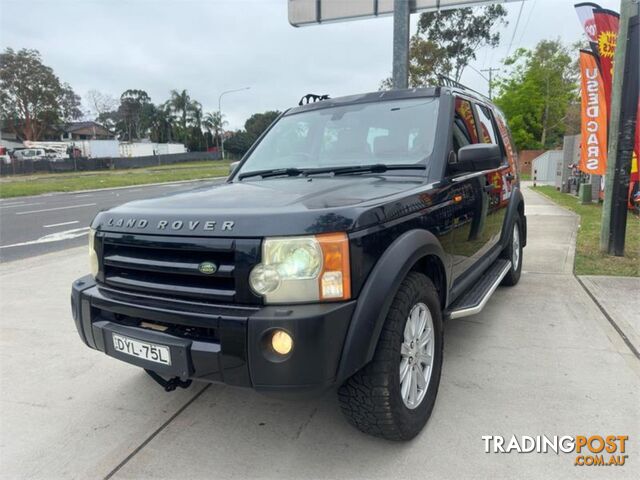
624,103
221,117
490,70
401,27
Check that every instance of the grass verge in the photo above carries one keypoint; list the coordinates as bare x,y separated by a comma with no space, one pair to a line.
589,259
21,185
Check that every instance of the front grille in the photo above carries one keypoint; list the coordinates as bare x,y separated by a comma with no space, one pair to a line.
169,266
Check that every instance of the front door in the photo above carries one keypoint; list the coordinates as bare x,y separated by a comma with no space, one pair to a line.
476,203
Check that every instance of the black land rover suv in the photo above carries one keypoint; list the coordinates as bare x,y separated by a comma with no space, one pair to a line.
331,256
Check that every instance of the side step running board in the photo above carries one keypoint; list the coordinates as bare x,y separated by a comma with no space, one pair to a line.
474,299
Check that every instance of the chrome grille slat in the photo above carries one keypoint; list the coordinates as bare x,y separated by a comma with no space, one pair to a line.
187,268
168,266
141,285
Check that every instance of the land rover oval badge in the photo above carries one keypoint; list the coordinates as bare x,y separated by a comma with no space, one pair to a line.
208,268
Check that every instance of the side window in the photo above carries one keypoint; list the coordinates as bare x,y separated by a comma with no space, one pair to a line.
464,125
487,131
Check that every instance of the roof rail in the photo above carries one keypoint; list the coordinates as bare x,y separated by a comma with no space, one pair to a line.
450,82
312,98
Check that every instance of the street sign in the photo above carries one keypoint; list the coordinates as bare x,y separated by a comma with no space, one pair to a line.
310,12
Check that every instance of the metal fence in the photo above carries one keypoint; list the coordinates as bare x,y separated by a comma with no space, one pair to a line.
22,167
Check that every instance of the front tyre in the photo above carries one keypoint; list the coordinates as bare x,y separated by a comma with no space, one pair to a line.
392,397
513,252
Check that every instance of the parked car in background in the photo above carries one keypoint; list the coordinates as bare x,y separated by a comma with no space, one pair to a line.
30,154
54,155
4,156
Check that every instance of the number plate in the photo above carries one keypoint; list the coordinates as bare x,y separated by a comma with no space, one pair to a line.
136,348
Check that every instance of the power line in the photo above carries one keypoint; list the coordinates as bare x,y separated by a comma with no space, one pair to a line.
478,71
526,24
515,30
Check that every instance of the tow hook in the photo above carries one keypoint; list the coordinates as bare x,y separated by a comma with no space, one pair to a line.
168,385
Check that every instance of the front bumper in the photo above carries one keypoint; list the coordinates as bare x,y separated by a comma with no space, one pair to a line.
218,343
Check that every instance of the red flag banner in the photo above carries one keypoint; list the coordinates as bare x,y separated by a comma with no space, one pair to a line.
635,161
585,15
607,24
593,143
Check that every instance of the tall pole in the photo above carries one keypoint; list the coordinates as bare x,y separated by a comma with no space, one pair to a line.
490,79
220,114
624,101
401,16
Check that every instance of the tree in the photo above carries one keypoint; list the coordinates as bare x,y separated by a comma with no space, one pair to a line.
100,103
447,41
259,122
256,124
538,95
426,61
195,140
238,143
32,98
134,114
184,110
215,122
161,124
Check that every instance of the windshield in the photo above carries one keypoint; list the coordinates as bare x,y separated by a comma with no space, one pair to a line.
399,132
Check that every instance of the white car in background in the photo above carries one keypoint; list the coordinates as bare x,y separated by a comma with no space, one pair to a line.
29,154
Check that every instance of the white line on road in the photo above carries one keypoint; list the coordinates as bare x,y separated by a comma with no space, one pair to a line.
83,195
14,205
53,237
57,208
61,224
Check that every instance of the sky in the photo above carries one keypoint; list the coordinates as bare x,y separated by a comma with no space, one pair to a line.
209,46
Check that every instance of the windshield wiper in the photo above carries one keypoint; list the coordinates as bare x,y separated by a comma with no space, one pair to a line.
336,170
273,172
375,168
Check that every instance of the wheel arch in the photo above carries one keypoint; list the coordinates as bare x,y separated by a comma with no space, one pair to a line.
514,210
417,250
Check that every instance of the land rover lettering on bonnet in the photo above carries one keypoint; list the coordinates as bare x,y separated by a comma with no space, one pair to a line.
331,256
192,225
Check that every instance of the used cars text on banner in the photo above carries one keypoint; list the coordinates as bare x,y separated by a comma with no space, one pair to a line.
593,149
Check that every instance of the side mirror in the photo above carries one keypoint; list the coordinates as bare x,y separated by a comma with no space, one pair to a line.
233,166
478,157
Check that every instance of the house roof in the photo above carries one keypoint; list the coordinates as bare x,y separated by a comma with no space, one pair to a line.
74,126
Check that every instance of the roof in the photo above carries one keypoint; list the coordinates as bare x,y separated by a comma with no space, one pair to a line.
74,126
388,95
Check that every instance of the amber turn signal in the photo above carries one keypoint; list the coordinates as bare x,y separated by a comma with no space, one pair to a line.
335,277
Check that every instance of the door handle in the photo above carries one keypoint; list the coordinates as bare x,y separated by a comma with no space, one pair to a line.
489,188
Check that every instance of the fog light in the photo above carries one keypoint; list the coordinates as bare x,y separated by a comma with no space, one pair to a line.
281,342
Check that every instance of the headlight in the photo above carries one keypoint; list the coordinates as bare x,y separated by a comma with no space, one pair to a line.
303,269
93,256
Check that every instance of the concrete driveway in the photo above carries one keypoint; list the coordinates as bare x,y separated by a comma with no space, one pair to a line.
541,359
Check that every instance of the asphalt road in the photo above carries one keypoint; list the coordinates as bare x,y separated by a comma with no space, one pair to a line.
541,359
41,224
